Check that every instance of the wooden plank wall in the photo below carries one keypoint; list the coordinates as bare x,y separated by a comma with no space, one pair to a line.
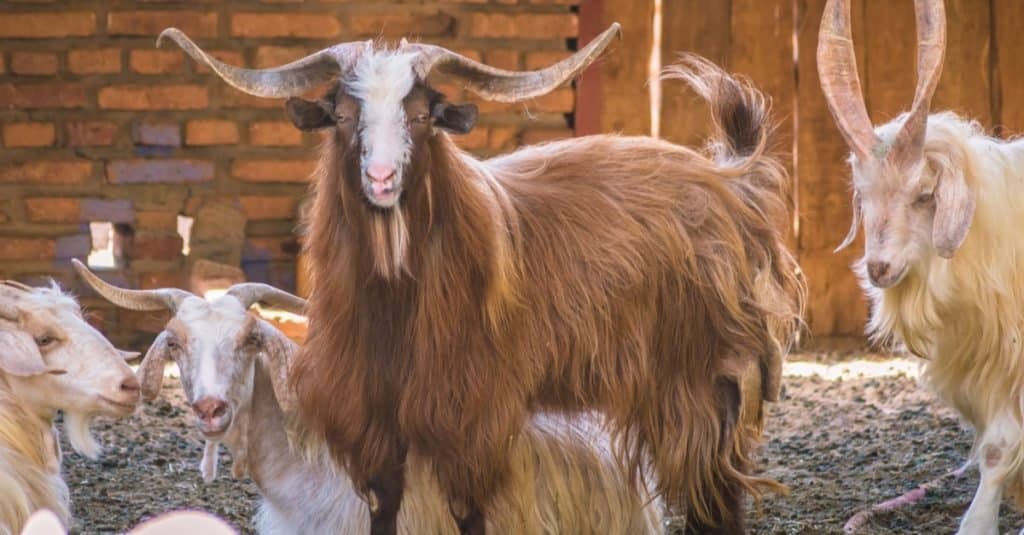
981,79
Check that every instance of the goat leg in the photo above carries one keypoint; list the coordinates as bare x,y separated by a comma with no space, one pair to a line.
385,499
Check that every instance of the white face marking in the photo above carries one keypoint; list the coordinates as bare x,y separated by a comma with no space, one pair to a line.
381,81
213,327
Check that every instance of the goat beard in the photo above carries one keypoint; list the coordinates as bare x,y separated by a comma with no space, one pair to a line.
77,425
389,241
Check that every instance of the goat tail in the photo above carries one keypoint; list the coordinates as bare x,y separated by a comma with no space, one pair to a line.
740,113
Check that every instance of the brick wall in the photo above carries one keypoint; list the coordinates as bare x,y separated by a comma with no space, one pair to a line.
100,126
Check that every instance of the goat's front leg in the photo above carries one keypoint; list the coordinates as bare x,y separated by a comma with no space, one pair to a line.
384,494
982,516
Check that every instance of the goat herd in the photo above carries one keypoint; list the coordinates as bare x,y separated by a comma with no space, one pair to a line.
566,339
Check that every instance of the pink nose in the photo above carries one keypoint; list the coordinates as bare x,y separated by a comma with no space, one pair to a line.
877,270
209,408
380,171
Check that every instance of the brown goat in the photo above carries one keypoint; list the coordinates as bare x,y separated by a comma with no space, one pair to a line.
454,297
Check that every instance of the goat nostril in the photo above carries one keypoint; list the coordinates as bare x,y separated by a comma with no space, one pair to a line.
877,270
380,172
131,384
219,410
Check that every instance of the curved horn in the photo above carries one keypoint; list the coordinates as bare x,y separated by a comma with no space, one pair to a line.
17,285
508,86
908,146
288,80
145,300
249,293
837,70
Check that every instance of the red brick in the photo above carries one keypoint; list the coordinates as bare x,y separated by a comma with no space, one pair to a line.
27,248
560,100
312,25
272,170
523,26
36,63
158,171
153,97
51,95
274,133
401,24
95,61
545,58
268,207
90,133
273,56
540,135
28,134
159,279
36,25
156,61
503,59
154,220
46,172
210,132
151,23
52,209
155,246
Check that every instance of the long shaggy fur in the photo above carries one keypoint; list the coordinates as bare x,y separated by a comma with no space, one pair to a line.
623,274
30,477
965,315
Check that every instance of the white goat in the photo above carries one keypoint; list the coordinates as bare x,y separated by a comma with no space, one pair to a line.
50,359
234,366
941,205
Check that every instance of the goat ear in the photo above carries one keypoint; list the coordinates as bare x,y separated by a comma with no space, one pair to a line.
454,118
854,225
151,371
954,210
277,357
306,115
20,357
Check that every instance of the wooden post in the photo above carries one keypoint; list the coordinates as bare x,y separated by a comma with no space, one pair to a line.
613,96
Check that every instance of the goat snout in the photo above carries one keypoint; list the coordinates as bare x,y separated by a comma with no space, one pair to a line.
380,172
131,386
877,270
213,413
884,274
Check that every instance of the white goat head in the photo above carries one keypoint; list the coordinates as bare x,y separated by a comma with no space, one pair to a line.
914,202
383,110
51,359
214,342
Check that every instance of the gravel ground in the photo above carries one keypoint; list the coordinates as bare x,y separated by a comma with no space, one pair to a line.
852,429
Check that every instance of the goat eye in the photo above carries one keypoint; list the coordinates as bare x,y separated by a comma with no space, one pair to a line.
45,341
342,119
421,118
172,345
924,199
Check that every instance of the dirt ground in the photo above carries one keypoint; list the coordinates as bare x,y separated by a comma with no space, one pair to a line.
852,429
